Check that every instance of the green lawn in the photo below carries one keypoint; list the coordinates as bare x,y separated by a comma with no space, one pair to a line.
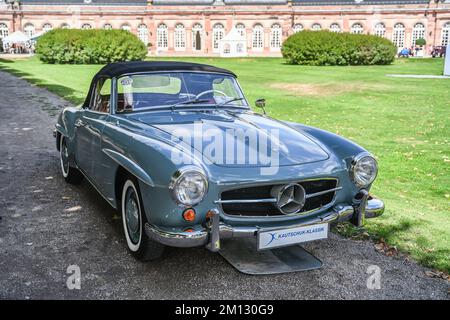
405,122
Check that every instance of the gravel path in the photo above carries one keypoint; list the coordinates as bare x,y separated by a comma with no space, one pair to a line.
40,238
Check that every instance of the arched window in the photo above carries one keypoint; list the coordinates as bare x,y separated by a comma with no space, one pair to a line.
3,30
316,27
29,29
107,26
334,27
357,28
47,27
258,37
239,48
446,34
162,37
86,26
65,26
180,37
142,33
218,34
226,48
380,29
297,27
398,36
275,36
240,27
197,31
126,27
418,32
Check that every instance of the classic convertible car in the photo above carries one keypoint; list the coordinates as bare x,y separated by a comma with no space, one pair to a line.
176,148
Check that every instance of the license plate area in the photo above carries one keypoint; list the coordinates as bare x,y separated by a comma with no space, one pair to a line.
285,237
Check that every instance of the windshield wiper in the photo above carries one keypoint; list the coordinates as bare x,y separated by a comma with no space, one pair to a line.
188,102
229,101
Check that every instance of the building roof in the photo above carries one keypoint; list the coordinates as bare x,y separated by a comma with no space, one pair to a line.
86,2
355,2
225,2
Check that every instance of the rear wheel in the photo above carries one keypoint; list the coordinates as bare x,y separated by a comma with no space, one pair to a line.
134,219
71,175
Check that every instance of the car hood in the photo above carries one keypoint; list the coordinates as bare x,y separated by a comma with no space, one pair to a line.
236,139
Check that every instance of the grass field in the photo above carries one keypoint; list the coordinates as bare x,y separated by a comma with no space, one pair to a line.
405,122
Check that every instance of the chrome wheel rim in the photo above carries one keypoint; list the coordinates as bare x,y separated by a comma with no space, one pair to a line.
132,216
64,155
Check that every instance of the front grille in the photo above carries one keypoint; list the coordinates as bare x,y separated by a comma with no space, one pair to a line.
258,201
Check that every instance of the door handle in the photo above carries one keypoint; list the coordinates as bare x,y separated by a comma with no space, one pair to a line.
79,123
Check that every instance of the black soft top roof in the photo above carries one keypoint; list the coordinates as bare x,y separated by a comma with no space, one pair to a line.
117,69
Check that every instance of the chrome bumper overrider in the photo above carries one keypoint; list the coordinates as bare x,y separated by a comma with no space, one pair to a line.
215,230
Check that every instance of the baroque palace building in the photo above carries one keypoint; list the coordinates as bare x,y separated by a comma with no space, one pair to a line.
195,27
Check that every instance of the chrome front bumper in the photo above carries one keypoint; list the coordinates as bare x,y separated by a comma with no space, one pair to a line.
214,231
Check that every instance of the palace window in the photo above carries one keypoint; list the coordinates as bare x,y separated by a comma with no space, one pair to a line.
86,26
258,37
240,27
180,37
334,27
218,34
4,32
357,28
316,27
162,37
446,34
29,29
65,26
107,26
47,27
275,36
418,32
142,33
126,27
398,36
380,30
197,30
297,27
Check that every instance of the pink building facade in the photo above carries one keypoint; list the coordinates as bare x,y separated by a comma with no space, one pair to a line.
194,28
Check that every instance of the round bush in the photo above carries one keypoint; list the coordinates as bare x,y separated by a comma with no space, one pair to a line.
89,46
325,48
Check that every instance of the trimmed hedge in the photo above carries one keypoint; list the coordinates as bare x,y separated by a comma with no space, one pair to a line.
325,48
76,46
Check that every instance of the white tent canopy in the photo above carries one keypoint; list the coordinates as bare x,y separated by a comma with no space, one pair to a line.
16,37
233,45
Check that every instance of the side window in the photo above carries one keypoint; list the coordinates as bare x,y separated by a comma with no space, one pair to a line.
102,96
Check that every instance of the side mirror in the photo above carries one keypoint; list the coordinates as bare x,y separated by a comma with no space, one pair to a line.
261,103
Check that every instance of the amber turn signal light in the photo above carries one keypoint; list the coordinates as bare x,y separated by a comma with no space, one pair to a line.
189,215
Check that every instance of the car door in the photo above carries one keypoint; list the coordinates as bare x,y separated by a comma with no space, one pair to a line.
89,127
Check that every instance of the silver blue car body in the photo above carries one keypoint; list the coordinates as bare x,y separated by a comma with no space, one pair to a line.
106,144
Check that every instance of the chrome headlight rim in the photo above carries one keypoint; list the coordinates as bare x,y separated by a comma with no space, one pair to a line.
354,163
176,178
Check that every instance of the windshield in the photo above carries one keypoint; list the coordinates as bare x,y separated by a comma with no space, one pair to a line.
155,90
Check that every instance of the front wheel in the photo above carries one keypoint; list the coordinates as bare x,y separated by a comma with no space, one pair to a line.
134,219
71,175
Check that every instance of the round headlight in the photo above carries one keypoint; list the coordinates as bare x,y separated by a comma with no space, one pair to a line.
364,169
189,186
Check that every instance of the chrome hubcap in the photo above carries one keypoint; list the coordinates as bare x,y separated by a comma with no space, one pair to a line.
132,216
65,157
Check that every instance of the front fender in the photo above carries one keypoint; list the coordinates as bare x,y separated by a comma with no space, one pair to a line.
341,147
